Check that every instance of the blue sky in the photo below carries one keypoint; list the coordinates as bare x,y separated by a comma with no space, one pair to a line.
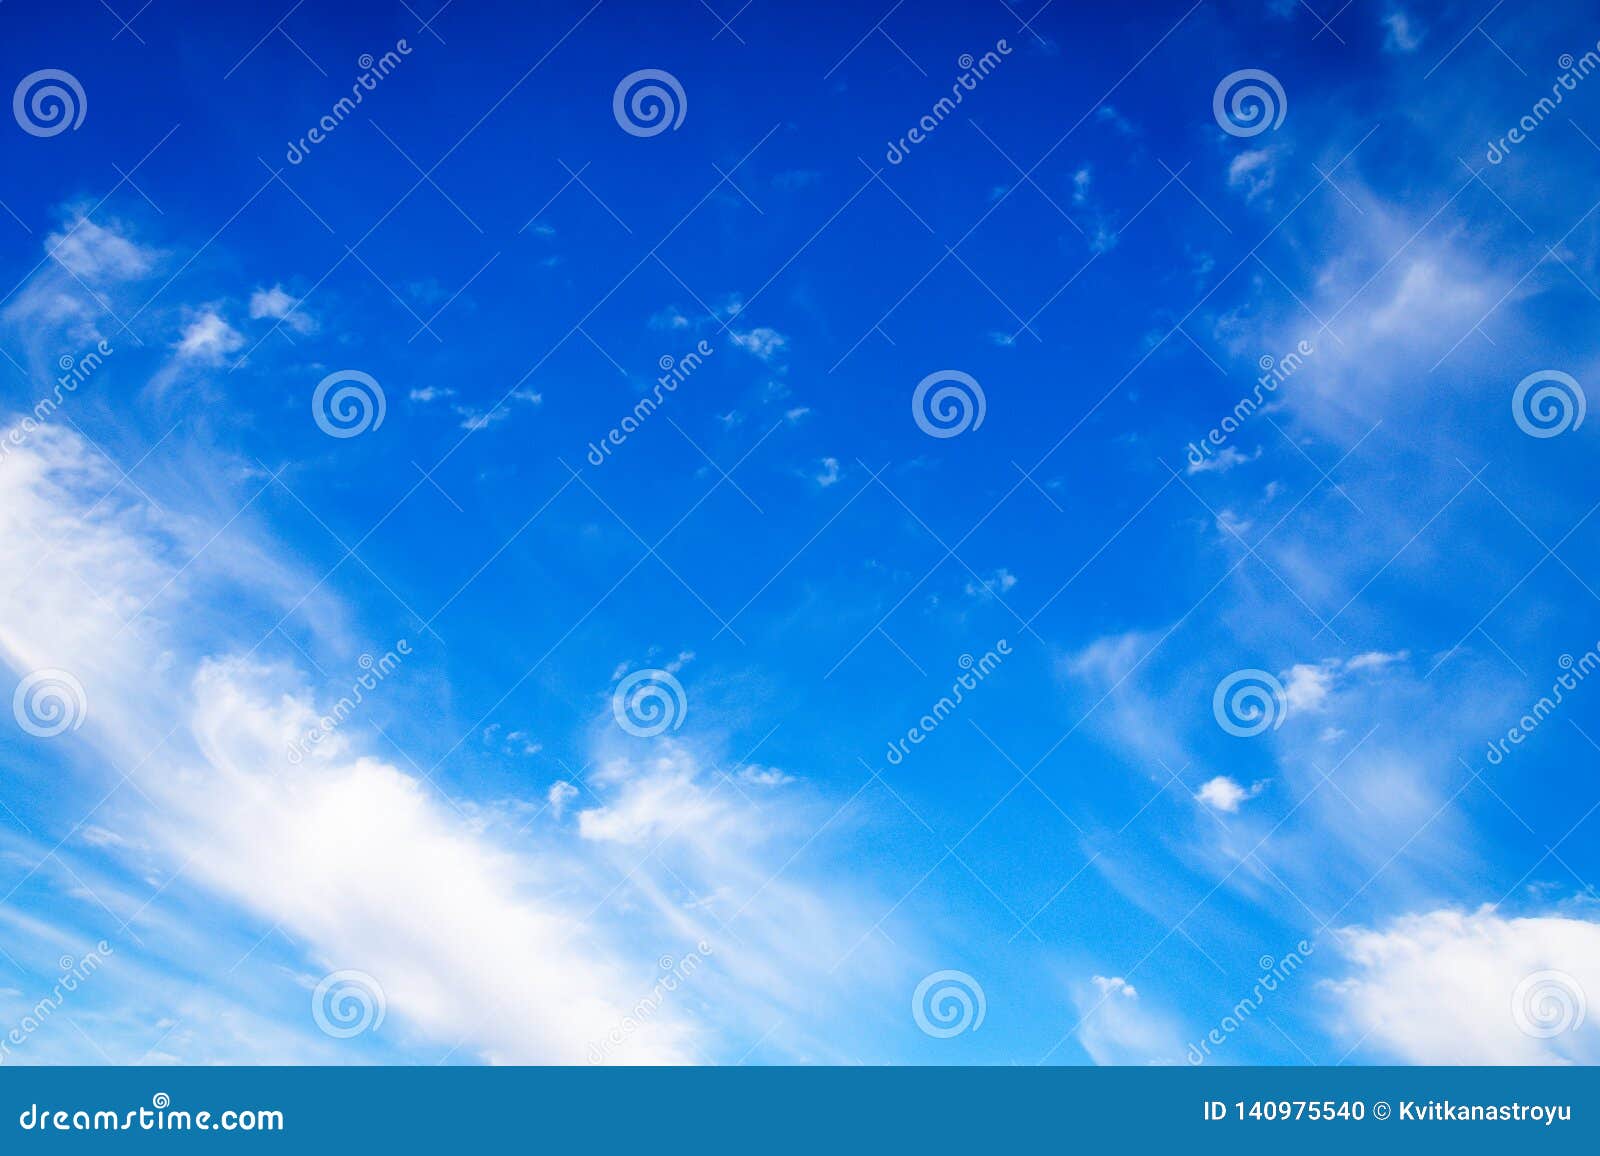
1093,856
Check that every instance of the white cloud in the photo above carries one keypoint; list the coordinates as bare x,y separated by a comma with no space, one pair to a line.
1452,987
482,940
59,302
209,339
280,306
559,795
430,393
1223,794
455,927
1253,172
762,341
1306,686
1116,1027
829,474
998,582
1106,114
474,419
1221,462
97,253
477,419
1402,35
764,776
1231,524
1114,985
654,801
1375,660
670,318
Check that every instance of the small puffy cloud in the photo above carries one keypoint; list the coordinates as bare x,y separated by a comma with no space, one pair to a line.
1106,114
1223,794
100,837
1116,1027
430,393
763,342
1080,185
1402,35
209,339
797,413
764,776
1114,985
97,253
829,473
1108,660
559,795
1231,524
280,306
1376,660
1252,171
520,742
1456,987
670,318
1306,686
473,419
998,582
654,802
1220,462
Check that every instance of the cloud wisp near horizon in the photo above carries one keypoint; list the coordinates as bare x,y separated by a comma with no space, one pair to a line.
624,534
